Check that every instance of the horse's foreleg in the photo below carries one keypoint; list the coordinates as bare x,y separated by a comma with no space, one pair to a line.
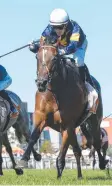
6,143
35,154
60,162
94,160
77,152
8,149
1,160
34,137
92,154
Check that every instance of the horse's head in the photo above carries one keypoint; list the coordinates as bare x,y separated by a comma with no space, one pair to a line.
46,55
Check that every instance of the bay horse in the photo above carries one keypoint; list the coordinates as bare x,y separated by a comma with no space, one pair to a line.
60,102
21,125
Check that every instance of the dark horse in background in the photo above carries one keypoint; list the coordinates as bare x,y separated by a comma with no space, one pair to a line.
60,102
21,125
83,143
104,146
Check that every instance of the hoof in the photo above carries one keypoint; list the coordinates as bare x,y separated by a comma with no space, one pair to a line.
103,165
38,157
19,171
106,162
59,177
80,178
22,164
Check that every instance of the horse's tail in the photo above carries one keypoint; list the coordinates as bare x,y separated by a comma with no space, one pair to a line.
22,124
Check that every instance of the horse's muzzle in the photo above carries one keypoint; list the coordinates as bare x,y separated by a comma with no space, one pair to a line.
42,85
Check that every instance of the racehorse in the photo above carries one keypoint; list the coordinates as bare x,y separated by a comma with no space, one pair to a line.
21,125
60,102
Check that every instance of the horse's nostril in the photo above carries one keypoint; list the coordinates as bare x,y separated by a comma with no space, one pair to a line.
44,82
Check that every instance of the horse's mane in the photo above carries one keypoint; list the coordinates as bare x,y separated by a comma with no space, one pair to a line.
65,69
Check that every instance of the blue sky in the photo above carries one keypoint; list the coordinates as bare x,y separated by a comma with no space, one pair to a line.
24,20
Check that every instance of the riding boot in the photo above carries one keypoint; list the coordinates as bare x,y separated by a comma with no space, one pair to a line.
88,77
82,73
85,75
4,95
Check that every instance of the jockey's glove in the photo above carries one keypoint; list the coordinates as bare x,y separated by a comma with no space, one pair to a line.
33,42
34,45
61,51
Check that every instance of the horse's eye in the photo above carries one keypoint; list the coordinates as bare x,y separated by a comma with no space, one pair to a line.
55,58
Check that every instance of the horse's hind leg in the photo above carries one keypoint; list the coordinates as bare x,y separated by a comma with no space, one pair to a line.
104,150
97,146
94,160
1,161
68,137
77,152
6,143
36,155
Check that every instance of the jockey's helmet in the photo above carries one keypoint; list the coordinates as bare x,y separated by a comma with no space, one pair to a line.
59,17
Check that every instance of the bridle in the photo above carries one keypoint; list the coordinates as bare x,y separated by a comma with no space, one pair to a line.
44,64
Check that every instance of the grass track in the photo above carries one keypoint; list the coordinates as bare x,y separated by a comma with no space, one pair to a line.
48,177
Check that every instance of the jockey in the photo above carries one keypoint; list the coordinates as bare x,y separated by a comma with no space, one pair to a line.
5,81
73,43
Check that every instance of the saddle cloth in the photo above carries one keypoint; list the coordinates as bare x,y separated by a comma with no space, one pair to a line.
16,103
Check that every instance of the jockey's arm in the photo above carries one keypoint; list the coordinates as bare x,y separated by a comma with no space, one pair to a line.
34,46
